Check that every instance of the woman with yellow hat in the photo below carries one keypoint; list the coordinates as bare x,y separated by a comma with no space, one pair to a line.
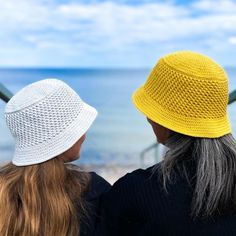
193,190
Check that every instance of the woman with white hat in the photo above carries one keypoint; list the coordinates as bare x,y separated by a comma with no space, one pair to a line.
40,193
193,190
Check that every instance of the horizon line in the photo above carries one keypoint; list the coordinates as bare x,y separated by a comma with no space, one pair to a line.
72,68
82,68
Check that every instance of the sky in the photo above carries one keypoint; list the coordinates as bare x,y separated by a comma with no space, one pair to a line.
113,34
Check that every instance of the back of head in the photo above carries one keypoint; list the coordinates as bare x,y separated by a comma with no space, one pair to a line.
46,118
39,194
187,93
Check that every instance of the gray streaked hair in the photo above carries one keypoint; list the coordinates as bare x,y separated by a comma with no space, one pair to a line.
215,171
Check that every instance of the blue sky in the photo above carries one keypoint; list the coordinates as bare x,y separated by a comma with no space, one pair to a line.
121,33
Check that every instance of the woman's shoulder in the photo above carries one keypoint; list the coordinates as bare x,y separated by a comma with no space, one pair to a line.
135,181
139,176
125,195
97,186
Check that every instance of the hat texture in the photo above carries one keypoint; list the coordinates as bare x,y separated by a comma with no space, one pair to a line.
186,92
46,118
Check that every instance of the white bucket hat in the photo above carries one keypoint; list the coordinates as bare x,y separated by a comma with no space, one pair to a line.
46,118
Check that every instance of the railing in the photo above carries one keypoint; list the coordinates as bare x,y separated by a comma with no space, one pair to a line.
155,146
5,94
232,97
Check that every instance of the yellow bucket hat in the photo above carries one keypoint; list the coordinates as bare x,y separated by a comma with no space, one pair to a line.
186,92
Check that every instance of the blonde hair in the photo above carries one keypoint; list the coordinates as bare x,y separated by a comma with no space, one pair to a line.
42,199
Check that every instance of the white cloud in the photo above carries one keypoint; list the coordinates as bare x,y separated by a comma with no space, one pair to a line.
23,14
232,40
215,6
107,27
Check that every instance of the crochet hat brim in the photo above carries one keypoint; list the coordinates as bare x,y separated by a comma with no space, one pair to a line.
196,127
58,144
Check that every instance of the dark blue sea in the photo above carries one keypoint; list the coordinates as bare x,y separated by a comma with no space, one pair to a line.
120,132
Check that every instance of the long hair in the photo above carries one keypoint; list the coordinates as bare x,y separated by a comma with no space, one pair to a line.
214,180
41,199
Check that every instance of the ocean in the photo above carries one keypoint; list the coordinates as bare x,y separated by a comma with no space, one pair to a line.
120,133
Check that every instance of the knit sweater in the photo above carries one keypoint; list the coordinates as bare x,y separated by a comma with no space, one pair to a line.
97,187
138,205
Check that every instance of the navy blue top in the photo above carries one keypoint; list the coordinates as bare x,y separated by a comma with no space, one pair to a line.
138,205
97,187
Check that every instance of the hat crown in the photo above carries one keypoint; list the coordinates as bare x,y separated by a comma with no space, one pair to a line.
33,93
189,84
195,65
41,111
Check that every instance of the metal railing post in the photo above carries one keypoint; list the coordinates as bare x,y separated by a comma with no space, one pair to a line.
5,94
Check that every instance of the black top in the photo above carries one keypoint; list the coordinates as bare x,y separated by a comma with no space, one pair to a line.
97,187
138,205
